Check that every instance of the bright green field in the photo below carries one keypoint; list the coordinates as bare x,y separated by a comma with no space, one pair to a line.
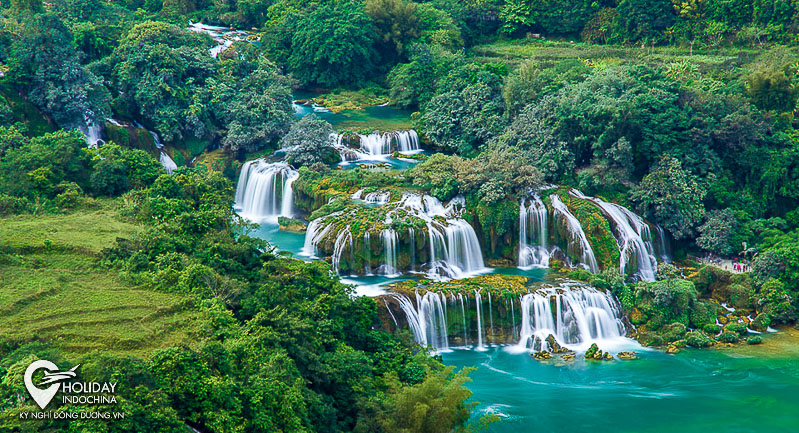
59,294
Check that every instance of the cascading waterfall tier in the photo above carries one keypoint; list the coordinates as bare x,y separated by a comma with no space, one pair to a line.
417,232
553,229
264,192
636,254
533,233
376,145
577,243
575,314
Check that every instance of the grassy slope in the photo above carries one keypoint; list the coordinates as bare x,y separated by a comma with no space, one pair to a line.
60,295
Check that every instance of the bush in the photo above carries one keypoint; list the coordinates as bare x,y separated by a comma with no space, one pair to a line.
728,337
710,329
755,339
673,332
738,328
698,339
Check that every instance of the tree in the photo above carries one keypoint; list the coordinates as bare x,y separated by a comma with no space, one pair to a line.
530,134
333,46
252,102
308,141
463,120
45,65
396,24
415,82
671,197
772,90
645,19
161,72
716,234
550,17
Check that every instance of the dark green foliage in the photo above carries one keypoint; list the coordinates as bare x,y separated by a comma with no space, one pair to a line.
550,17
461,121
308,142
333,45
645,19
755,339
728,337
45,65
698,339
671,197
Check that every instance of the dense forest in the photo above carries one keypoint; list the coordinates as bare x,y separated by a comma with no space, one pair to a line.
683,111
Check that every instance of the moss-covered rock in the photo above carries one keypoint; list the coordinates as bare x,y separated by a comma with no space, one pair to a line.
291,225
627,356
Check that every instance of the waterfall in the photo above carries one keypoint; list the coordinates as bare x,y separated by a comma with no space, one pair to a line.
390,241
463,315
630,231
377,197
377,145
93,132
407,142
343,241
533,251
582,315
314,234
264,190
427,320
479,305
663,245
454,249
166,161
412,246
577,243
367,247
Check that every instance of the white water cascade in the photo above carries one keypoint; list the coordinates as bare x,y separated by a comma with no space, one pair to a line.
636,254
377,145
478,300
427,319
533,251
390,242
454,249
264,190
575,314
166,161
577,243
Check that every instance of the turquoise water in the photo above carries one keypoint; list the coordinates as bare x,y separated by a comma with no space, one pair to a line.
388,118
692,391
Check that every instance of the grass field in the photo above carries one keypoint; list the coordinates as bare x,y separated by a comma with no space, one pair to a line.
57,293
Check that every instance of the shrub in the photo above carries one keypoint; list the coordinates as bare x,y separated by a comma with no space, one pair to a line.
710,329
698,339
728,337
755,339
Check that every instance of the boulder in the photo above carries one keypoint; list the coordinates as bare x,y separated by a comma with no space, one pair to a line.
589,354
672,349
568,357
541,355
628,356
554,347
